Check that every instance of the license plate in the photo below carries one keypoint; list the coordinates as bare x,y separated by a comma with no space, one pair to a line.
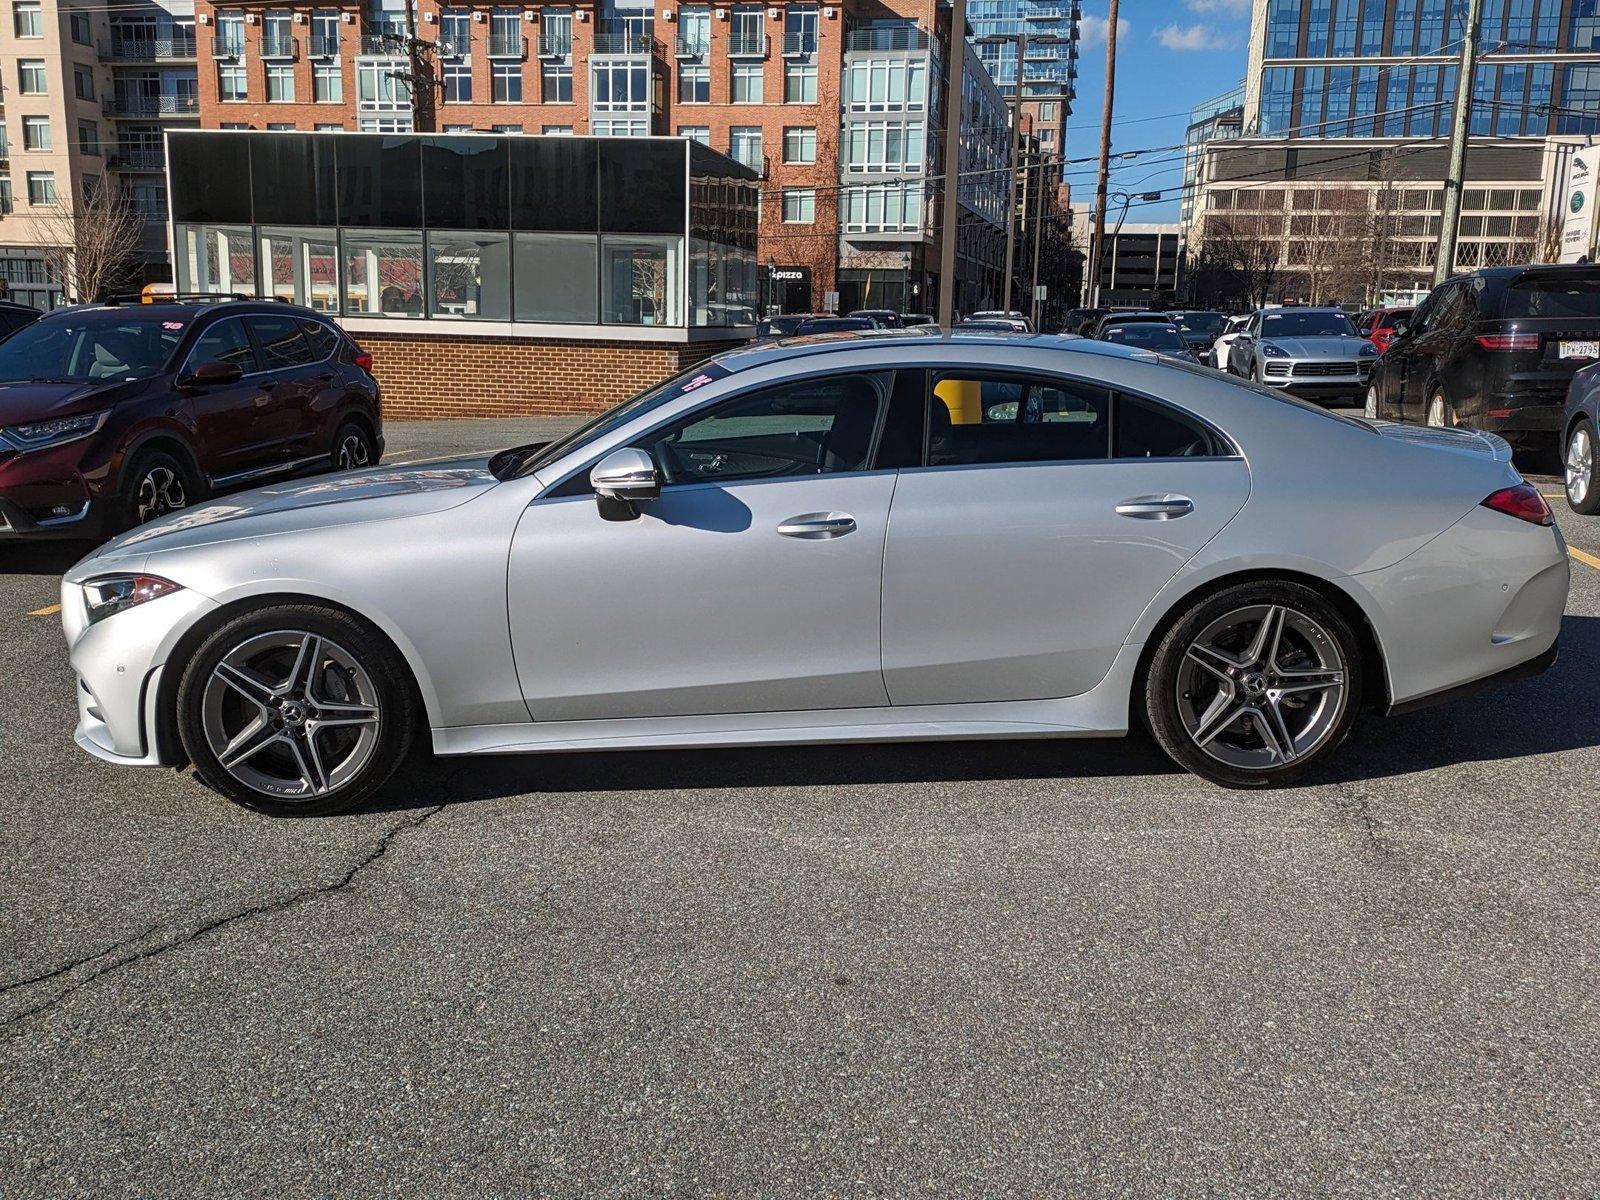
1580,349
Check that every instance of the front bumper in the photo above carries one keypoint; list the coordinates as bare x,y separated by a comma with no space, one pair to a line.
1318,379
44,493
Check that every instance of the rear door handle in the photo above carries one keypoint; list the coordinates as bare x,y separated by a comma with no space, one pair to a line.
1156,508
814,527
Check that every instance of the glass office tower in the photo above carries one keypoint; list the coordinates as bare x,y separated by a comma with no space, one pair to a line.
1049,72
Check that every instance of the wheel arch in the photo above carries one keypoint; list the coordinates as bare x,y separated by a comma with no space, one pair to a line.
353,413
168,440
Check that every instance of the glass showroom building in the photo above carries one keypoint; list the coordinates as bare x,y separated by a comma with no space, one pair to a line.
547,236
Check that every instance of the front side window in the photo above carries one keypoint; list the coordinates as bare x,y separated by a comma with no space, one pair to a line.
804,428
225,342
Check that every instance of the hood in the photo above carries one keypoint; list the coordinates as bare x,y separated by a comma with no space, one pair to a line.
25,403
378,494
1473,442
1334,346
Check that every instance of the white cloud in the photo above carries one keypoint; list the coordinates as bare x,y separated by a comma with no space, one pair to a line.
1194,37
1092,30
1233,8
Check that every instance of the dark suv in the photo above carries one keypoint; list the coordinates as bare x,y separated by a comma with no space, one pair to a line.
1493,350
111,414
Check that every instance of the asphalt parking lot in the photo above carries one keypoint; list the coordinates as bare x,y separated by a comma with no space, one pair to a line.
979,969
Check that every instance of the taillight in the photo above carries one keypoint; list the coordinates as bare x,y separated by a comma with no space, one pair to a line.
1509,341
363,359
1522,502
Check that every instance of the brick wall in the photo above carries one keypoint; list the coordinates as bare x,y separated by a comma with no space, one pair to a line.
426,375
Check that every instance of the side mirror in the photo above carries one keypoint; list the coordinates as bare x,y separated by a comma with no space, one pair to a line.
1243,336
212,374
1398,329
622,479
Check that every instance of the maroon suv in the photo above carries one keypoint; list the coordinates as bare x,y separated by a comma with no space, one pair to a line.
112,414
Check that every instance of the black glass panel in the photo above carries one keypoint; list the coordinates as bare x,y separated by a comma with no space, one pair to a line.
293,179
210,177
642,185
380,180
465,184
553,184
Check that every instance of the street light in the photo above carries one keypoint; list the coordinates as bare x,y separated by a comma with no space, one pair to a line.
1022,41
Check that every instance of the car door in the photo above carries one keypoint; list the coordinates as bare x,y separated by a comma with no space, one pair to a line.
1425,348
293,380
1049,513
229,420
750,585
1243,343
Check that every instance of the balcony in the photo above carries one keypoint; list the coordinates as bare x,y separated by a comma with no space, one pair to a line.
140,50
151,106
614,37
507,45
136,158
1045,12
894,37
747,45
279,45
227,45
384,41
325,45
797,45
555,45
693,45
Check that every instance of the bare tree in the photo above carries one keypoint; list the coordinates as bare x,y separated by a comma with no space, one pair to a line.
90,248
1330,244
1237,260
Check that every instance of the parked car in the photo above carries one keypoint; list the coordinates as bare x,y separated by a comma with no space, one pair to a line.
1150,335
972,325
784,325
1219,348
1493,350
1199,329
1127,317
886,318
835,325
1081,320
1580,420
114,414
1314,353
1019,321
1378,325
15,316
916,320
816,541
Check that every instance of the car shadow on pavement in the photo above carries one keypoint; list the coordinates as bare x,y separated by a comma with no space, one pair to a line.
41,558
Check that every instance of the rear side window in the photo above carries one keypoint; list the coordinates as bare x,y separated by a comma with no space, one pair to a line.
1575,296
224,342
324,340
1148,430
975,418
281,342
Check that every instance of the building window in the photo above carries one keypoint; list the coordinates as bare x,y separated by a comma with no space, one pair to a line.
469,275
694,30
557,131
799,83
83,81
230,34
744,145
747,29
30,76
457,129
505,129
507,81
280,83
799,206
799,144
700,133
324,33
231,85
383,272
884,147
619,86
694,83
29,20
747,82
327,83
6,203
237,126
81,33
457,83
557,83
800,29
331,127
555,31
883,208
88,137
455,33
41,187
557,277
1047,111
619,127
641,280
882,84
36,133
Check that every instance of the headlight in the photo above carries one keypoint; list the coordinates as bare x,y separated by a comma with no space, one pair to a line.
40,434
1368,350
110,594
1268,350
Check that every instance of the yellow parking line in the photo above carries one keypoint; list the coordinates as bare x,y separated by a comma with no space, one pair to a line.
1584,556
50,610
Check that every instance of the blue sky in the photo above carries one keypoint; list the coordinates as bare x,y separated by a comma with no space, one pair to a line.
1171,55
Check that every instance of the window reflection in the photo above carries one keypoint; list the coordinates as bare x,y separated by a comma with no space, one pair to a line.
641,280
216,258
469,275
383,273
302,266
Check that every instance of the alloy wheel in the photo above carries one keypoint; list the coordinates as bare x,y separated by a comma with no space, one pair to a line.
353,452
1580,465
160,491
1372,403
1436,412
1261,687
290,714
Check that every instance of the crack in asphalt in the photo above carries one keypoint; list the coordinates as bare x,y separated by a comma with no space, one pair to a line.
1357,803
277,904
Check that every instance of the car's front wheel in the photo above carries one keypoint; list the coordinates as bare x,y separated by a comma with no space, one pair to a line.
1255,683
155,483
296,710
1372,402
1583,489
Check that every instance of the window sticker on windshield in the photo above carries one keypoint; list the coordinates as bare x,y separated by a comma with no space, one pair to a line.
172,325
710,375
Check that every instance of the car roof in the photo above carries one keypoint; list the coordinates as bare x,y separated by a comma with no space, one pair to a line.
1304,308
172,310
761,354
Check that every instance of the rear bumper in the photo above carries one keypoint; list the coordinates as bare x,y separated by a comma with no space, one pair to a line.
1517,412
1514,674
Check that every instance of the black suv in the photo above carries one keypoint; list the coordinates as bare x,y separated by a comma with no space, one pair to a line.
1493,350
112,414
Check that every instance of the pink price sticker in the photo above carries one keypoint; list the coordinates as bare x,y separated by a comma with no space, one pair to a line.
697,381
172,324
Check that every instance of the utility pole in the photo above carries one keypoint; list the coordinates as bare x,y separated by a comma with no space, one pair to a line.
951,216
1461,124
1097,235
1038,235
1011,192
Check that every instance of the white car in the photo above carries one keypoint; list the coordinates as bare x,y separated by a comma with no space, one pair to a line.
1219,348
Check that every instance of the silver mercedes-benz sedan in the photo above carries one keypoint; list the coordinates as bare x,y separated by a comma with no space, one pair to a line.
1316,353
852,538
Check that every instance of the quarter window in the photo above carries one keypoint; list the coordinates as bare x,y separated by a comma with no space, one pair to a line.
1145,429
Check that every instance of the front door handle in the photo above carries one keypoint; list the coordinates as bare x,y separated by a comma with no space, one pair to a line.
1156,508
814,527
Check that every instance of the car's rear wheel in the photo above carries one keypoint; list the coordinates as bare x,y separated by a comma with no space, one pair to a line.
1583,489
1254,684
1372,402
1440,414
353,447
296,710
155,483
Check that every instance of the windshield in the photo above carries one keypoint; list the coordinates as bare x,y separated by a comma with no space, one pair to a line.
535,456
88,351
1147,336
1202,322
1306,324
838,325
1575,296
780,326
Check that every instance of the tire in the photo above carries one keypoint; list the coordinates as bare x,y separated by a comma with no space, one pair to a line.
1440,414
154,484
1578,469
305,740
353,447
1213,661
1373,406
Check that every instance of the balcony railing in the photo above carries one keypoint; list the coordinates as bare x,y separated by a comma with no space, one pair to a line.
796,44
613,37
693,45
384,41
324,45
136,158
151,106
225,45
507,45
747,45
120,49
555,45
1045,12
279,45
892,38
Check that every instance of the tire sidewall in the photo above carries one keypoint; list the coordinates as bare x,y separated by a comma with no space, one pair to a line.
1160,691
1591,501
398,705
142,463
346,428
